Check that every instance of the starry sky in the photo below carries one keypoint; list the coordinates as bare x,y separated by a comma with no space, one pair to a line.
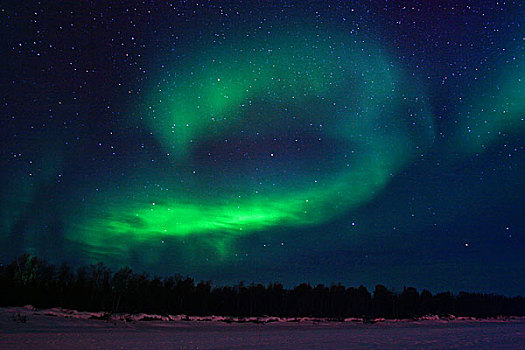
259,141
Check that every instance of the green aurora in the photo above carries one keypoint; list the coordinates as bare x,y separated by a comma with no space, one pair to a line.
345,90
500,109
319,142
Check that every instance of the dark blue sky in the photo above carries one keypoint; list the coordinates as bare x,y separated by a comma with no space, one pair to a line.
316,141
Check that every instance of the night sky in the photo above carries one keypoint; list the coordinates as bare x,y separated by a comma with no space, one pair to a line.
293,141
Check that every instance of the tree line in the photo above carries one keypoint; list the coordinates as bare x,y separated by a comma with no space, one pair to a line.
31,280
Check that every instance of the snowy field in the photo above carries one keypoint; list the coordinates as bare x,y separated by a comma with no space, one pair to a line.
26,328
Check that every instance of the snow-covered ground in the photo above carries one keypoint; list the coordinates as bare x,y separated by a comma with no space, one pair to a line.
27,328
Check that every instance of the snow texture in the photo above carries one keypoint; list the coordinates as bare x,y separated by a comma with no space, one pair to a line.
28,328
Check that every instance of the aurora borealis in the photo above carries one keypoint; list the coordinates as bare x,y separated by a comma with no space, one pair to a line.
321,141
208,119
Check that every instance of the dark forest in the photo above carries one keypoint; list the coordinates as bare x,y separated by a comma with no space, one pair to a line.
31,280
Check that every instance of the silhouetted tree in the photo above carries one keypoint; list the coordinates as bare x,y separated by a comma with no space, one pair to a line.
121,285
383,302
425,303
30,280
408,303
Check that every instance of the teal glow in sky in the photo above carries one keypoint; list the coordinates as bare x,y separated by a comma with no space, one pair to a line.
356,142
299,86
